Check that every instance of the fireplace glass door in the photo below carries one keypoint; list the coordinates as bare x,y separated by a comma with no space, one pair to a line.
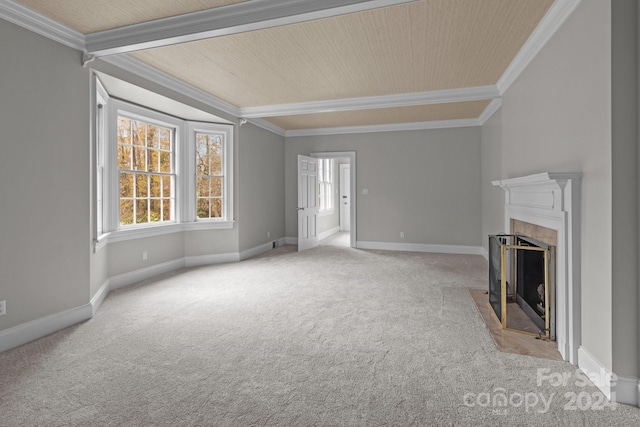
522,284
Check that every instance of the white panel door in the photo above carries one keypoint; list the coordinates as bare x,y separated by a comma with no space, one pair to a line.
307,202
345,198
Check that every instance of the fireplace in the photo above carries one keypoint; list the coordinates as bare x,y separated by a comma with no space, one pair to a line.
534,285
545,207
522,284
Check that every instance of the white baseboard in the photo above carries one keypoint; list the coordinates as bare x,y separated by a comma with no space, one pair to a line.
594,369
196,261
290,240
616,388
420,247
135,276
328,233
31,331
255,251
563,348
97,299
484,253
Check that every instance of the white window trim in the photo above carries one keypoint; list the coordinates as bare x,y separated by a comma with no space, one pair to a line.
121,108
227,200
100,182
184,160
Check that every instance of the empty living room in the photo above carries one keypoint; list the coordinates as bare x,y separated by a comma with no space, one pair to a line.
319,213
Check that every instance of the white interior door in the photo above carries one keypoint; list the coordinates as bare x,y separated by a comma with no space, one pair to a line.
307,202
345,198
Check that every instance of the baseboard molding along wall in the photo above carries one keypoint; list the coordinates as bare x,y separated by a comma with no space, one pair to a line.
290,240
38,328
420,247
616,388
327,233
30,331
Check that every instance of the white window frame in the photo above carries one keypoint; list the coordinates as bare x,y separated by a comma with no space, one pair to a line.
107,189
100,147
326,165
226,132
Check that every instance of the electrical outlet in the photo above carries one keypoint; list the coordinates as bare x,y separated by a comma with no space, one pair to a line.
268,234
3,307
144,256
402,234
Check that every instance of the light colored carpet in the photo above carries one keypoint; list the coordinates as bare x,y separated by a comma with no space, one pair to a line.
331,336
340,239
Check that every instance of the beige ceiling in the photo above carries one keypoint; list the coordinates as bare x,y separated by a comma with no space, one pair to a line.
89,16
416,47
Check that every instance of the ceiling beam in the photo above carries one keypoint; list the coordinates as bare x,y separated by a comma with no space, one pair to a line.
477,93
222,21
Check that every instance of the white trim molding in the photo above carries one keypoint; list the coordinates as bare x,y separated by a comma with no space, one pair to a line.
291,241
392,127
477,93
38,328
557,14
163,79
616,388
15,12
553,201
420,247
328,233
244,17
490,110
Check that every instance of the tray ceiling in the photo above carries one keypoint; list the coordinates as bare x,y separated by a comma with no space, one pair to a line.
426,45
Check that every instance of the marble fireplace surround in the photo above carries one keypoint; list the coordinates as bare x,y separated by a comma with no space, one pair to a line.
552,201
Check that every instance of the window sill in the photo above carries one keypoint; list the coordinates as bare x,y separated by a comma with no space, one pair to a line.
208,225
158,230
326,213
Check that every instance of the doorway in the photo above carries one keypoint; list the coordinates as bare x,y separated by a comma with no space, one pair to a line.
342,221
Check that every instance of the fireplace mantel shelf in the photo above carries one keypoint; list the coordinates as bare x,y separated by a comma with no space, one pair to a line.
536,179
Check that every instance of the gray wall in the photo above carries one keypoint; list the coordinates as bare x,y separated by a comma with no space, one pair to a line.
557,117
260,188
44,177
624,156
492,197
425,183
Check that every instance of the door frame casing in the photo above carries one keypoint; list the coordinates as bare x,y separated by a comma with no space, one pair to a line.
351,155
342,188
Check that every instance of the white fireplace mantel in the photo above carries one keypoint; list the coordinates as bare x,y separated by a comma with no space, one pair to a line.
552,200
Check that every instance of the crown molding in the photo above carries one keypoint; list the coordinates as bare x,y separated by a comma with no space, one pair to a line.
372,102
223,21
18,14
488,112
153,74
268,126
394,127
141,69
559,11
40,24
